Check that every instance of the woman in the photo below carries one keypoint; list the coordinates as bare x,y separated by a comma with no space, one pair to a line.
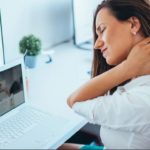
118,95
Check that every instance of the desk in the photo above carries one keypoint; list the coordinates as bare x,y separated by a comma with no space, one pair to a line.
51,84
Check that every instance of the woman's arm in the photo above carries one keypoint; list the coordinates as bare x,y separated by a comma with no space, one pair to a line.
99,85
137,63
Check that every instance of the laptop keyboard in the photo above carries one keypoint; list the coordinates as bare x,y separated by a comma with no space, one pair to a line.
19,124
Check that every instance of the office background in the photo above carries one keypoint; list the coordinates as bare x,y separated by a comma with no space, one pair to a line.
50,20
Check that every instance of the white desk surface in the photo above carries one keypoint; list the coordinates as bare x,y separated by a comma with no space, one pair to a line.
51,84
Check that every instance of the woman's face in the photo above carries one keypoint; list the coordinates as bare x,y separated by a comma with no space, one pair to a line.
114,37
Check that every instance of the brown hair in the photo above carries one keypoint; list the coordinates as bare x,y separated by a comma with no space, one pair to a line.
122,10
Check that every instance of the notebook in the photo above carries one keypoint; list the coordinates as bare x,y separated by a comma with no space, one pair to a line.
23,126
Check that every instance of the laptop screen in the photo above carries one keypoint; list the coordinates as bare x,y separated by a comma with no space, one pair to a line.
11,89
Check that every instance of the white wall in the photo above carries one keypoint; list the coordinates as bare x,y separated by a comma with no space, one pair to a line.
1,47
50,20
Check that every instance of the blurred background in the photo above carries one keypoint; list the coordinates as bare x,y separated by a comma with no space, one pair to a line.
53,21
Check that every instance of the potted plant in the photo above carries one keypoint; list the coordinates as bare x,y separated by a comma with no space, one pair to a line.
30,46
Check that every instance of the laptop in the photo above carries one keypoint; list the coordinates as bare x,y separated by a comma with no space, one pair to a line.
23,126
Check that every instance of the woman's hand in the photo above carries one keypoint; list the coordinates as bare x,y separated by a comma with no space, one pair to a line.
138,61
137,64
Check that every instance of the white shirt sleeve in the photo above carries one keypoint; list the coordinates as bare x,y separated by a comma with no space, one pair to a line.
129,110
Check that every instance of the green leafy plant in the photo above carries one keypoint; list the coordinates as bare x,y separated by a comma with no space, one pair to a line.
30,45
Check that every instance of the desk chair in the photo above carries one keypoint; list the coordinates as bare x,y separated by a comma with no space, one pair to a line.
88,135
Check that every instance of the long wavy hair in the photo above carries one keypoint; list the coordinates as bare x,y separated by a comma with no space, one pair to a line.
121,10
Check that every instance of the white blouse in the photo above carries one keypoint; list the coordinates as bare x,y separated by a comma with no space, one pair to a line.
124,116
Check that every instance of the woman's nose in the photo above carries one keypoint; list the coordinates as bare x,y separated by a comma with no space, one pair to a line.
98,44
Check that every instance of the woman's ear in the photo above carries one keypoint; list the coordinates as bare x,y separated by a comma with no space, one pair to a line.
135,25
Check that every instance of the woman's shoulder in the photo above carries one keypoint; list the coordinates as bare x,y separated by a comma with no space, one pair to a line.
139,85
138,82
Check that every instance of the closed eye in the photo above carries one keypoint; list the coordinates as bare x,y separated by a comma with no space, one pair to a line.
102,30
